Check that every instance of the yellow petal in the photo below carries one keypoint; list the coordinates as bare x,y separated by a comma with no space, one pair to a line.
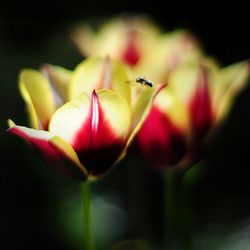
231,80
67,119
172,50
174,109
29,133
11,124
113,35
68,152
119,80
83,37
142,108
59,78
109,40
86,77
117,111
97,73
183,82
106,41
38,96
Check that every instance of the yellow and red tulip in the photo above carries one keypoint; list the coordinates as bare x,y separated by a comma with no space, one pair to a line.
126,39
139,43
91,129
197,100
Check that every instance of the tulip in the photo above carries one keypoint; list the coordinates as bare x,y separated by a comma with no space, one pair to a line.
82,121
126,39
91,128
180,125
185,115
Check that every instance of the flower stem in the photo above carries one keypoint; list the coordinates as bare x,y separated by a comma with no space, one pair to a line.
188,182
137,179
87,218
169,186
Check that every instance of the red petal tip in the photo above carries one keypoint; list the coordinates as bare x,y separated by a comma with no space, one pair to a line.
159,88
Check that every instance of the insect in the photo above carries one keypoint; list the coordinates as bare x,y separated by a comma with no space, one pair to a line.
144,81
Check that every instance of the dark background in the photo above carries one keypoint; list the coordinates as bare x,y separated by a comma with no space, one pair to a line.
31,195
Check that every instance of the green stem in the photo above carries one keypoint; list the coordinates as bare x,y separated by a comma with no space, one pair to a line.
169,198
179,218
188,181
137,180
87,218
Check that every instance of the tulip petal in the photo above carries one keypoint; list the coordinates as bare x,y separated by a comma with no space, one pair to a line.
183,82
164,135
109,41
231,80
181,47
173,108
131,54
96,127
62,157
59,78
38,96
65,149
83,37
201,107
87,76
161,141
172,50
142,108
119,79
97,73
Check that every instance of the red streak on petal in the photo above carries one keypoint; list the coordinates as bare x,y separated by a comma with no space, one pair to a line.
131,54
51,155
96,144
201,108
160,140
94,114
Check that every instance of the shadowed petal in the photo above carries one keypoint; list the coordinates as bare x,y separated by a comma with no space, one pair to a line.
66,150
59,78
231,80
38,96
62,157
201,108
161,141
142,108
